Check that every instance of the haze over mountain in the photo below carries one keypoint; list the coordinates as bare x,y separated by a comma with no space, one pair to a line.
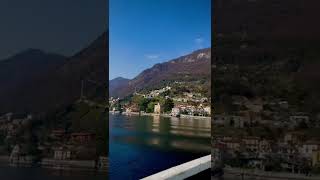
190,67
116,84
53,81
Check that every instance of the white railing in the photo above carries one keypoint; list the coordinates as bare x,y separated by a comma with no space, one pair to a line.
183,171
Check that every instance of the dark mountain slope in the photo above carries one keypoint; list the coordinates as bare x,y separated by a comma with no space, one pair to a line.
269,49
275,19
26,66
63,85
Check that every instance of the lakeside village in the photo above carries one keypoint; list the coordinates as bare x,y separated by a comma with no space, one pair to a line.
57,149
266,135
166,101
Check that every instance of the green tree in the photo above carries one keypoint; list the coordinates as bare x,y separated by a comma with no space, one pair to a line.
150,107
143,104
168,105
137,99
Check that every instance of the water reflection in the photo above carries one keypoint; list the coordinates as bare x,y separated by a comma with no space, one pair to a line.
143,145
164,132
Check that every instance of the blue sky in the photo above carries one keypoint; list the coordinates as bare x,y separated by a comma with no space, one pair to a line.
145,32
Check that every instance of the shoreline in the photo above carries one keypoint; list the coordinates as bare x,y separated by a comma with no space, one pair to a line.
182,116
57,165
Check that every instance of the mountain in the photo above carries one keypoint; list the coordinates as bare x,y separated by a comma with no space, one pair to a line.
190,67
267,49
272,19
25,67
116,83
61,85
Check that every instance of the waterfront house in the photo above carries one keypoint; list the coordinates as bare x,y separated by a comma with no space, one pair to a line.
18,157
157,108
128,110
175,111
62,153
207,110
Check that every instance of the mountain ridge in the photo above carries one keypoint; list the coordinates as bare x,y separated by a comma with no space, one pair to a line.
62,84
184,67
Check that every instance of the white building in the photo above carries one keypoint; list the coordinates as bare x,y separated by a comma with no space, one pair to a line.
157,108
307,148
175,111
62,153
207,110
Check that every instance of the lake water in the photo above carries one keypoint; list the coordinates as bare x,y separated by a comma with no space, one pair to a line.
12,173
143,145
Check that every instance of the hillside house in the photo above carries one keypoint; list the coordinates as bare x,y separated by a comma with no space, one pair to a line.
220,119
297,119
290,138
82,138
251,143
233,144
264,146
307,148
254,106
58,133
236,121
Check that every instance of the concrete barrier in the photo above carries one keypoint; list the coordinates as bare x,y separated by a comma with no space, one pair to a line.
183,171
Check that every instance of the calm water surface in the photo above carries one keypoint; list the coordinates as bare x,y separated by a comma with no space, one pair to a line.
143,145
12,173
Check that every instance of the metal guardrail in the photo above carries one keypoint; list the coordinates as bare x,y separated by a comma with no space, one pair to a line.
183,171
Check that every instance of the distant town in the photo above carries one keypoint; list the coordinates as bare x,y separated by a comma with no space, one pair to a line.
167,101
26,142
267,135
